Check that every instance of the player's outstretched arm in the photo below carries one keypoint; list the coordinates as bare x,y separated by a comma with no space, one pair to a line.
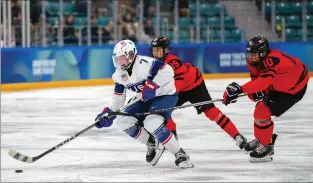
257,85
104,119
118,97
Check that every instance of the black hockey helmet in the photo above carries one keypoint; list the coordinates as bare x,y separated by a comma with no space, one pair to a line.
160,42
259,45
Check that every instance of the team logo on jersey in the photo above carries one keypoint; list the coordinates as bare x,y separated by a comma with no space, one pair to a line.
136,87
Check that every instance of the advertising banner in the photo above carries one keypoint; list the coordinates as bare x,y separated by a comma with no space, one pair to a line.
20,65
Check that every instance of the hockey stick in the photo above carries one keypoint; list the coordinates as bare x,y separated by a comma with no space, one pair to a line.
27,159
169,109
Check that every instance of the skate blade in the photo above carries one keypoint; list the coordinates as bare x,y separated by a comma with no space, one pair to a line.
246,151
261,160
156,159
185,164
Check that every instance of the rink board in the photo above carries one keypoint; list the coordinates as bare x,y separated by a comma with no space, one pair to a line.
92,82
54,67
96,82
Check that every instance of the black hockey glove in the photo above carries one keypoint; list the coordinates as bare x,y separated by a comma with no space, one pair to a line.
258,96
231,93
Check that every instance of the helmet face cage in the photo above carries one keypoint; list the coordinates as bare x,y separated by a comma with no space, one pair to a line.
160,42
121,62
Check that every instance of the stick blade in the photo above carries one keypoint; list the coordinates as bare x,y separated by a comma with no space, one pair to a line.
20,157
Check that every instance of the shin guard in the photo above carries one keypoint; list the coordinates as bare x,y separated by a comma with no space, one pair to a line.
263,124
214,114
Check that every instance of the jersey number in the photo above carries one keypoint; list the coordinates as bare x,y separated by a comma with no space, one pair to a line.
175,64
143,60
268,63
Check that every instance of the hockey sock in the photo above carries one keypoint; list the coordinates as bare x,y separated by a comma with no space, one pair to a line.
171,125
155,125
166,137
263,124
138,133
214,114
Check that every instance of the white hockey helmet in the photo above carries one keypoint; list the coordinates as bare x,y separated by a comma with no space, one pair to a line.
124,53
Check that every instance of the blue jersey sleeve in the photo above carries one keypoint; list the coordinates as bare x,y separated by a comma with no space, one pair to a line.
119,89
155,67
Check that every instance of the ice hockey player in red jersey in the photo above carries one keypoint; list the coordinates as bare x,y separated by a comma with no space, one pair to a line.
191,87
278,81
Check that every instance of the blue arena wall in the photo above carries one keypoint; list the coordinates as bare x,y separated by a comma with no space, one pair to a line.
28,65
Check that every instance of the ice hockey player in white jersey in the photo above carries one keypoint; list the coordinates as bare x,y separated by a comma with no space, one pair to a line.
155,80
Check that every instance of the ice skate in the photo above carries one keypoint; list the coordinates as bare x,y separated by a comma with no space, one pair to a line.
250,146
154,151
182,159
262,154
151,149
241,141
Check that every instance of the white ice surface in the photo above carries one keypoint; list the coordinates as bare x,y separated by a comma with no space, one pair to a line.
34,121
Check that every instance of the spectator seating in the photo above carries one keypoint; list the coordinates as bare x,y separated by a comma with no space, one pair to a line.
291,11
210,18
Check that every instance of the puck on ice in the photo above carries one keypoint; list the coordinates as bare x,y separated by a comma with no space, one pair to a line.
18,171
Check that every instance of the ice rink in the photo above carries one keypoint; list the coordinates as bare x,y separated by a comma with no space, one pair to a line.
35,121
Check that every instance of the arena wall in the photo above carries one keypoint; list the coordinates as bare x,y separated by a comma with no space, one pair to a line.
53,67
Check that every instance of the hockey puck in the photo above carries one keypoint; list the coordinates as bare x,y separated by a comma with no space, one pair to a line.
18,171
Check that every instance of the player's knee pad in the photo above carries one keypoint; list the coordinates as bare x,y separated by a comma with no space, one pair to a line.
262,112
213,114
153,122
125,122
262,116
155,125
134,131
